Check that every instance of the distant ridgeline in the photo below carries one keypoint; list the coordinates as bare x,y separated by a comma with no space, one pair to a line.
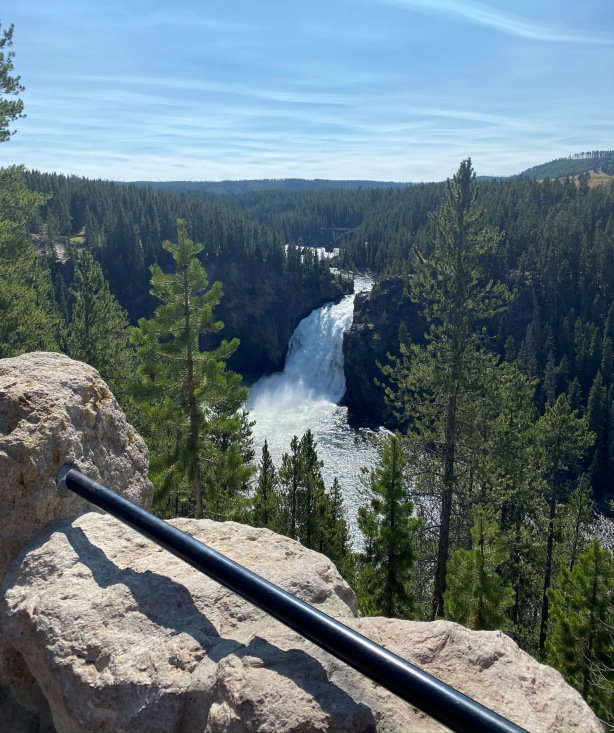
267,184
574,165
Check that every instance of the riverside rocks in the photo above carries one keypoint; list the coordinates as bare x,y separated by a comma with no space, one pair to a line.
378,318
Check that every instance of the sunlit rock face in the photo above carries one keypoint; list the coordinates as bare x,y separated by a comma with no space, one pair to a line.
104,631
54,410
262,308
121,635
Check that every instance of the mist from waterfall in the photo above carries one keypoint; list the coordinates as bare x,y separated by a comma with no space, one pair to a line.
306,395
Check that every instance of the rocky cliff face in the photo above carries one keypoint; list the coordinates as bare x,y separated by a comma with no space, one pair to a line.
104,631
378,318
262,310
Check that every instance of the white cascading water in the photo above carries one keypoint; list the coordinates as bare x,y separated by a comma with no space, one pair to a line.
305,395
314,364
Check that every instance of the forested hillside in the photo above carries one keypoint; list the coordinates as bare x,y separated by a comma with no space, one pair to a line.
504,496
574,165
557,256
123,226
266,184
304,216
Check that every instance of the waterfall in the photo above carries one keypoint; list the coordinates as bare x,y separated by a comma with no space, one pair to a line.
313,371
305,395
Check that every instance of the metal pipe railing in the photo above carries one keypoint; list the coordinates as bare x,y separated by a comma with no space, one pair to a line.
442,702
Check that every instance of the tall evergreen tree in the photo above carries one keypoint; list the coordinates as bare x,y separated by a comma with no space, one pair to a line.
302,490
576,523
11,107
29,319
476,594
581,632
307,512
437,382
265,503
98,330
335,541
561,441
290,485
388,529
191,402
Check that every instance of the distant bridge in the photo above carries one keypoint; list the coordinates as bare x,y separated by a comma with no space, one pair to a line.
338,232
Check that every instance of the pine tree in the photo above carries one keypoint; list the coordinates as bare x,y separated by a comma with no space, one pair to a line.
307,513
29,318
335,540
561,441
192,404
10,85
98,330
290,482
577,520
436,383
503,483
302,490
476,594
581,632
265,502
388,529
597,414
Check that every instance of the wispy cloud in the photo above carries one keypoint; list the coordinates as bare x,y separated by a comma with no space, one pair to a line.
506,23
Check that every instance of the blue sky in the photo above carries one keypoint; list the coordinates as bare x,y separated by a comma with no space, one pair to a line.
372,89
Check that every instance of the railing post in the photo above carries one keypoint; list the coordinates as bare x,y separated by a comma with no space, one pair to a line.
442,702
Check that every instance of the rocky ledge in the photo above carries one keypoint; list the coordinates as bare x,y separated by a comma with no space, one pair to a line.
104,631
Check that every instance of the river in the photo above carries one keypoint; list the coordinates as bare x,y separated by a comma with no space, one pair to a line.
306,395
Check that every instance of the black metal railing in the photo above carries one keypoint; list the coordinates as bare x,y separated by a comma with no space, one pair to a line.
442,702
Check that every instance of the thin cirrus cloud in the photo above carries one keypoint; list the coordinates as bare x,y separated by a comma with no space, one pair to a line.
397,89
506,23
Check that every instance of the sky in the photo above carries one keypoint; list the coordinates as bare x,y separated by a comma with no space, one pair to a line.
392,90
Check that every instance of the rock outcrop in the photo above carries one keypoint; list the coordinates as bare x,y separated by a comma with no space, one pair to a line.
101,630
54,410
120,635
379,315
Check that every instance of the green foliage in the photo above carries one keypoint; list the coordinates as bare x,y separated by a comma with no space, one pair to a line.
581,633
573,165
476,594
265,502
29,320
561,441
388,529
10,85
337,544
575,523
191,404
98,330
307,513
438,385
302,490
